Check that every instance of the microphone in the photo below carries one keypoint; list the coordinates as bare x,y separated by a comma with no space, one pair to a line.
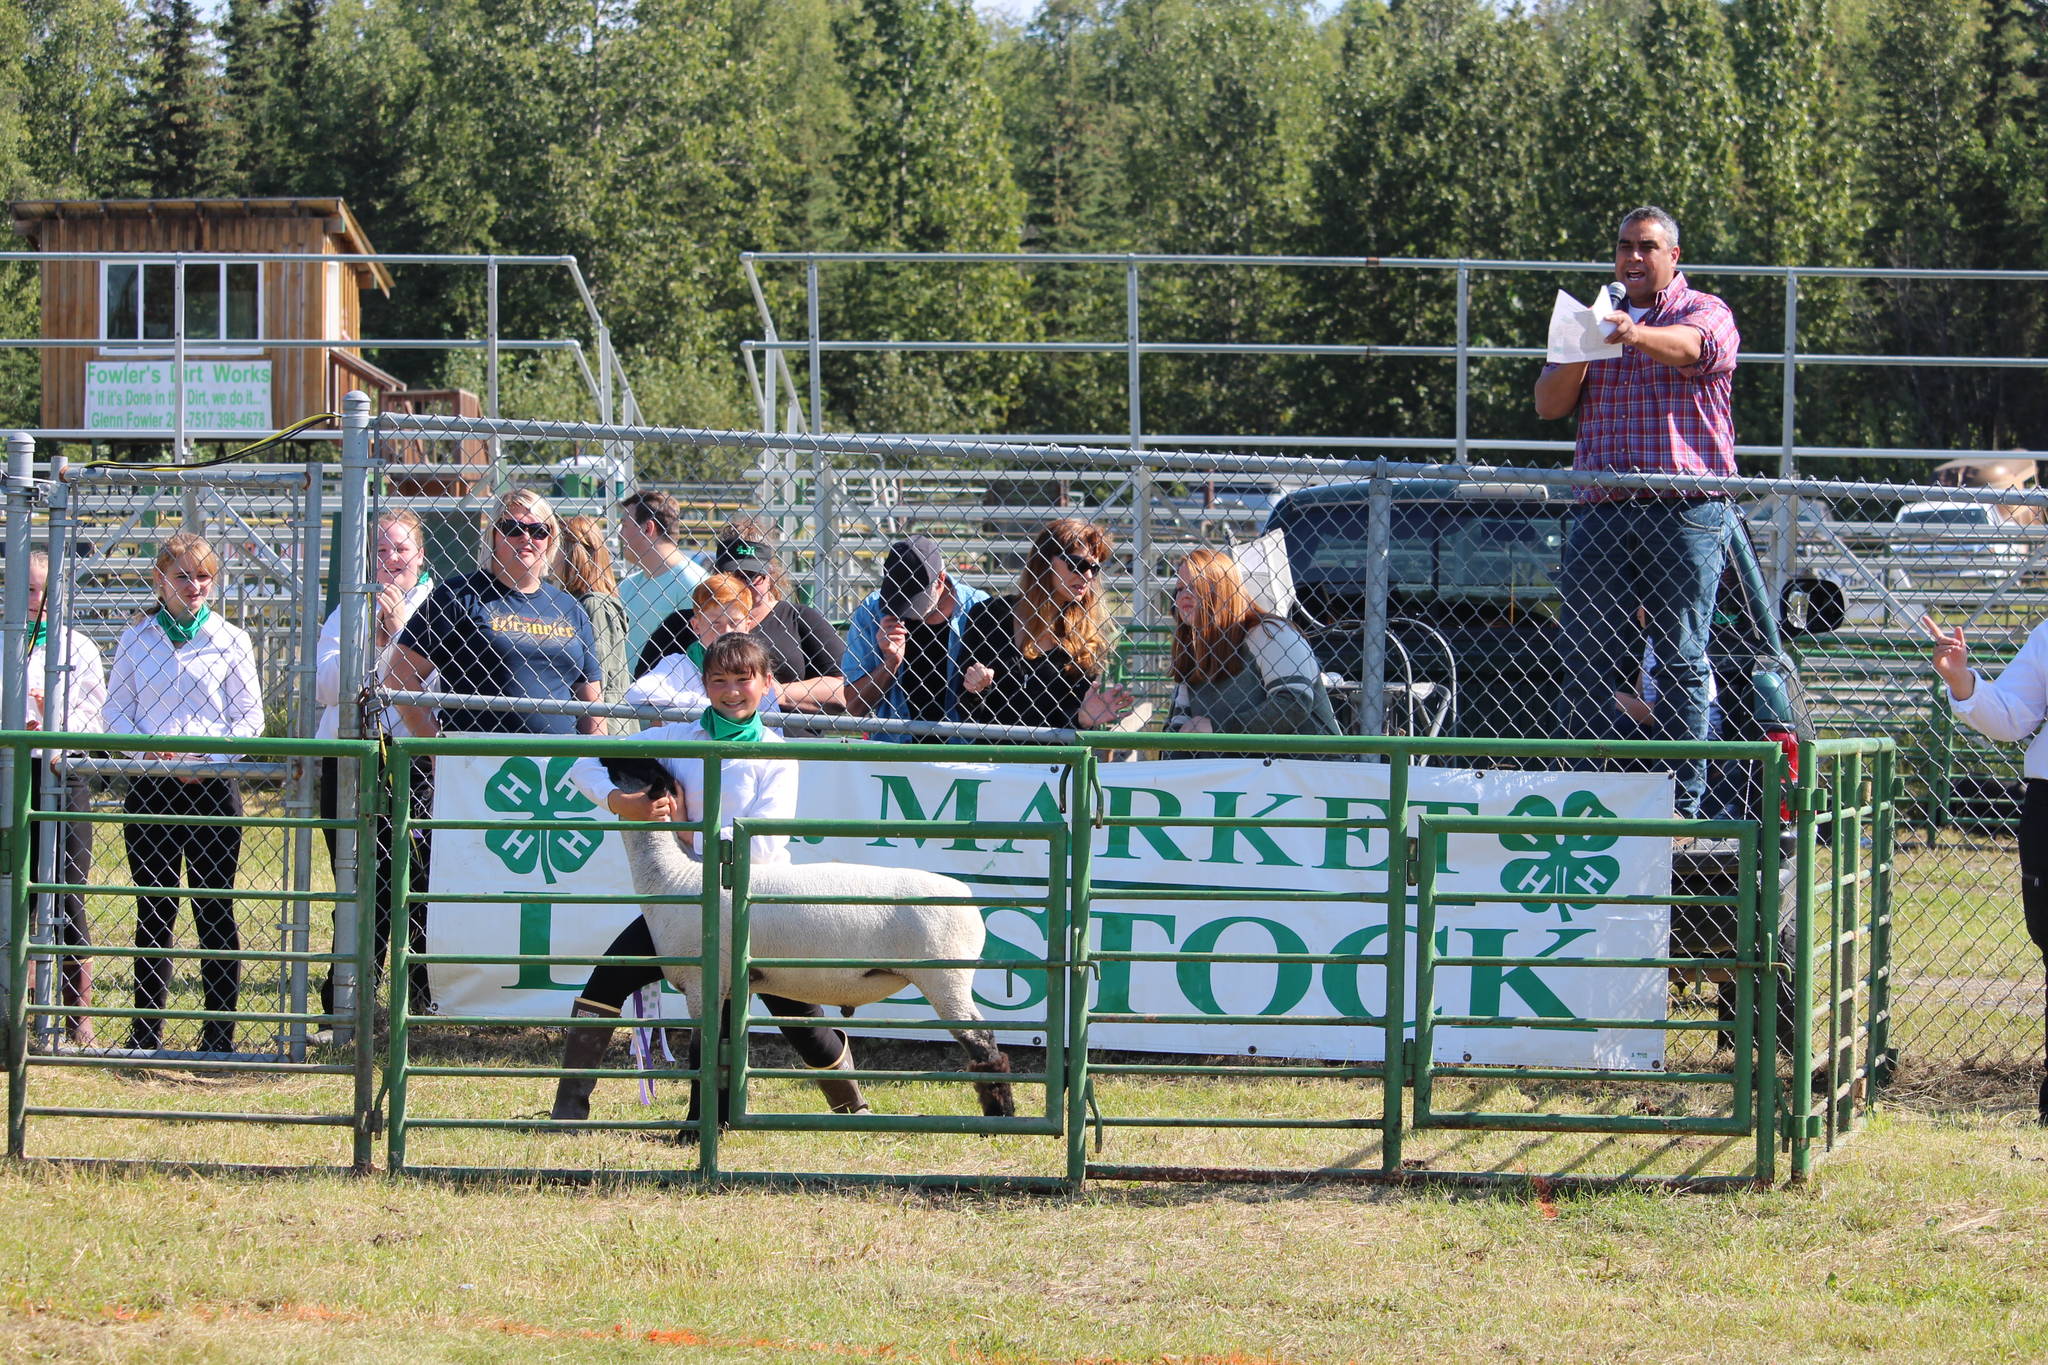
1616,297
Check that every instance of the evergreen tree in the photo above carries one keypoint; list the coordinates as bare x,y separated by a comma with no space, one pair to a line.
1224,98
177,143
1067,129
1432,145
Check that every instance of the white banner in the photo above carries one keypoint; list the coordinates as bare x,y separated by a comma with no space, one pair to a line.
228,396
556,865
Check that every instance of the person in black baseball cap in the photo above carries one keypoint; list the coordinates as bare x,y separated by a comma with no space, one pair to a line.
803,648
903,644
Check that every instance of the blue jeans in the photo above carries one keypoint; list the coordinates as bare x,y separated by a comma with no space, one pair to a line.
1665,556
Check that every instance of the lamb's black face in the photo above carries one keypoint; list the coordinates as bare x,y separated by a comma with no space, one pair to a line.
637,776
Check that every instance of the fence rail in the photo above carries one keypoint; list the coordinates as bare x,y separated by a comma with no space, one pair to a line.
1821,992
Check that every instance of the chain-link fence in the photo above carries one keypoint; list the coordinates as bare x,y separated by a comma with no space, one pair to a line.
934,589
1022,592
181,604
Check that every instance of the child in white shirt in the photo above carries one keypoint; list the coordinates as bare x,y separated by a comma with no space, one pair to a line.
737,677
184,671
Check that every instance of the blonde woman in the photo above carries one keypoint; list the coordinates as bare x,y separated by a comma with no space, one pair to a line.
585,570
503,631
183,670
1036,657
1236,669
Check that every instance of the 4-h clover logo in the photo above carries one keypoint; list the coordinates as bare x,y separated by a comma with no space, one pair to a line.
518,788
1563,862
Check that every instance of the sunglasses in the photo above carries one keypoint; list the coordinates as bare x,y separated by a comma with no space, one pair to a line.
1078,564
532,530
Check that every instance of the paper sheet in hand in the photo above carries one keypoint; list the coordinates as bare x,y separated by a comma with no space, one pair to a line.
1576,333
1268,577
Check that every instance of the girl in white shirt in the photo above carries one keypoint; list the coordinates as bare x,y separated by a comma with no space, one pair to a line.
76,701
402,584
737,676
185,671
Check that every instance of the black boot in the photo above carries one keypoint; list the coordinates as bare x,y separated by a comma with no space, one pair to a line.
584,1048
2044,1102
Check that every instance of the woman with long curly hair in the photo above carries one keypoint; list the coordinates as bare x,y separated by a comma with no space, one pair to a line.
1036,656
1237,669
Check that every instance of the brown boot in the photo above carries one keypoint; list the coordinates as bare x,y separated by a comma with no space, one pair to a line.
843,1095
584,1048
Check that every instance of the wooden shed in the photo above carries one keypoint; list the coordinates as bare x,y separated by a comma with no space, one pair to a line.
234,388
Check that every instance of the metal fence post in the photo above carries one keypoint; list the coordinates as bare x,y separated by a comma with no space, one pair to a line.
178,451
303,788
1372,668
1464,361
1787,547
1146,609
352,599
812,355
20,496
55,682
1133,366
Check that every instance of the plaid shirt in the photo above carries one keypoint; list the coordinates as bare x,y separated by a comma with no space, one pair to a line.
1638,415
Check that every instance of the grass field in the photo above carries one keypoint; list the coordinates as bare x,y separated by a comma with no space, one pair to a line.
1927,1239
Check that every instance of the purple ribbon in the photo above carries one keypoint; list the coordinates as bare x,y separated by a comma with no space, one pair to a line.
641,1041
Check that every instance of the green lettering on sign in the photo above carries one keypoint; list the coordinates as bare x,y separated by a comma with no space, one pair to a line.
1117,843
537,936
1044,809
1223,842
1292,978
998,948
964,796
1337,842
1118,929
1488,979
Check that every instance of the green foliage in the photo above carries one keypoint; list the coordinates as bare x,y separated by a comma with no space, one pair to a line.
1954,145
924,168
1433,139
656,140
179,144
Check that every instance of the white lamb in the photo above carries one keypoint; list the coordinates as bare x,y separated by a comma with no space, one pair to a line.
829,930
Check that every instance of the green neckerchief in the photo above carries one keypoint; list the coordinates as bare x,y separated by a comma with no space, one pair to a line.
695,653
746,731
42,633
181,632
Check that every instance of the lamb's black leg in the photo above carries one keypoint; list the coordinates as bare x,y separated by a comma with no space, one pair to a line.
997,1101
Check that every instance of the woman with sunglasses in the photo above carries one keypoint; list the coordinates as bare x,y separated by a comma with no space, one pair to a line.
803,648
503,631
1036,657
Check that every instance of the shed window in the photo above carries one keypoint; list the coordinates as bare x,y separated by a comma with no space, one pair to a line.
140,302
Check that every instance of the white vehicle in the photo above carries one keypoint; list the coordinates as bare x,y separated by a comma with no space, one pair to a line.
1958,540
1836,575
